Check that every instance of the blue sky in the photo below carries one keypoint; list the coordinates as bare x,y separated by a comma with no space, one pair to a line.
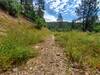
66,7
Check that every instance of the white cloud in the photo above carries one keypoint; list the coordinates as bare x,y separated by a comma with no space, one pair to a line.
49,18
56,5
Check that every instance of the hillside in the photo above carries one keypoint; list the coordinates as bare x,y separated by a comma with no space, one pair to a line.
7,20
17,38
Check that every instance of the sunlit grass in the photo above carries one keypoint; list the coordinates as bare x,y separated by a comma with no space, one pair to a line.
16,46
81,47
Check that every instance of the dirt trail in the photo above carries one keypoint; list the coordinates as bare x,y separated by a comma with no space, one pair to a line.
51,61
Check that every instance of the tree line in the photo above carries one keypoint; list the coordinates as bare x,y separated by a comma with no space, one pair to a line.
88,11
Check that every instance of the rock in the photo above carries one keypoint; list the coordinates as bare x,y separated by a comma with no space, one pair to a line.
36,47
30,68
86,73
51,61
98,71
15,69
58,54
57,65
77,66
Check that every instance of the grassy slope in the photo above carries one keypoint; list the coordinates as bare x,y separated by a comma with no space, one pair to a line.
83,48
17,36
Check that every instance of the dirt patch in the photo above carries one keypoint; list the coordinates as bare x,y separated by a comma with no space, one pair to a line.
51,61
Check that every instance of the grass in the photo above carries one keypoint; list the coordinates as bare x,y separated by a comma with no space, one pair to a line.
16,45
81,47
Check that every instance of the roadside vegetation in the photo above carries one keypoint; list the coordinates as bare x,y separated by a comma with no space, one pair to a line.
16,46
17,38
81,47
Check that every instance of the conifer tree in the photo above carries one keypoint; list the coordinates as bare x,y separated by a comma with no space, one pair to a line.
40,11
88,10
60,20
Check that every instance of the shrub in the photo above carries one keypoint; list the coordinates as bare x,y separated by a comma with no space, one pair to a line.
97,27
40,23
28,11
31,15
4,4
12,6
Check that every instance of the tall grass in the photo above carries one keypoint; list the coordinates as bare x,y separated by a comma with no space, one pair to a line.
16,46
83,48
17,40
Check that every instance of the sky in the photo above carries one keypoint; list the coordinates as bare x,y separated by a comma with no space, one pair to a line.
65,7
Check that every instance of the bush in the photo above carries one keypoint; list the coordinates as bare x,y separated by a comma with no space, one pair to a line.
31,15
97,27
12,6
4,4
40,23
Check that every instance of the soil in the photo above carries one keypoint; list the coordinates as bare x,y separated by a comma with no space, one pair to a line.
50,61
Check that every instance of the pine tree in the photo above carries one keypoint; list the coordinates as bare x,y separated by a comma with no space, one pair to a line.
60,20
26,1
88,10
40,11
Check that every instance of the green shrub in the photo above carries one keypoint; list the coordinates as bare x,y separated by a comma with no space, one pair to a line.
40,23
4,4
31,15
12,6
28,11
97,27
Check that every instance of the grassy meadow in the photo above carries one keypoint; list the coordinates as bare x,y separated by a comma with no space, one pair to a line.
81,47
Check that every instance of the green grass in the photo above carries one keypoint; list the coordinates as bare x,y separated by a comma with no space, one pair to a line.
16,46
81,47
16,43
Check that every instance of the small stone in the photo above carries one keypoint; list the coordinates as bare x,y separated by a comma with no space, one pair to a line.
58,54
77,66
57,65
30,68
98,71
86,73
51,62
36,47
15,69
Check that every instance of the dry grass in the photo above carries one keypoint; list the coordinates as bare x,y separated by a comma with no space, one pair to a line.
17,36
83,48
